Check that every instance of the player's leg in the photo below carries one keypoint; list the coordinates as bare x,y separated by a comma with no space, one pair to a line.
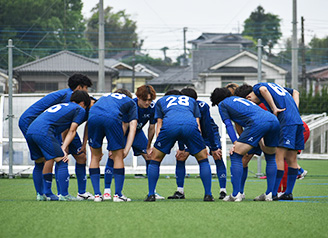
108,176
38,180
291,159
94,171
221,172
47,180
245,160
280,155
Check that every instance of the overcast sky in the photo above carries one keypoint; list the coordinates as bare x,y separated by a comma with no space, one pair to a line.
160,23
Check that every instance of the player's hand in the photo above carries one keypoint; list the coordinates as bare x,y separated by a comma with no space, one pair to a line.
217,154
110,153
277,111
232,149
149,151
65,158
125,153
82,150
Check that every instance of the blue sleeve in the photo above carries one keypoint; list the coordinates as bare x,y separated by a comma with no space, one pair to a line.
79,115
152,113
158,110
290,90
132,113
207,128
196,110
230,130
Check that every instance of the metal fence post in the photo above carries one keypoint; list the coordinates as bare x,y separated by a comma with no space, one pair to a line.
10,108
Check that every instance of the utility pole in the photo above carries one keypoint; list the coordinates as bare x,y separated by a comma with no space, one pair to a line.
133,66
184,46
10,106
294,48
101,51
303,55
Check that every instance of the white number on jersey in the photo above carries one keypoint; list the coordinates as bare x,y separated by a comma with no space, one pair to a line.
182,100
115,95
278,89
56,108
243,101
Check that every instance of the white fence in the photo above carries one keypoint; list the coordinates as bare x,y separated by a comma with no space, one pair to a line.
316,147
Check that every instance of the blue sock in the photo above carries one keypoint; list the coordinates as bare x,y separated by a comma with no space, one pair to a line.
47,182
95,180
243,179
63,177
147,165
291,179
271,171
280,174
221,172
236,170
180,173
56,179
153,175
205,175
300,171
119,175
81,177
109,173
37,177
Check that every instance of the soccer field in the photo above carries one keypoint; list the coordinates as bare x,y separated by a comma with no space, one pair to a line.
306,216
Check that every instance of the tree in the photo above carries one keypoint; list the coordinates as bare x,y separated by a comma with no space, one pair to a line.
318,51
261,25
42,27
146,59
120,31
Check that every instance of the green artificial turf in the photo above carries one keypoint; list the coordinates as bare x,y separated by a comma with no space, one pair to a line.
306,216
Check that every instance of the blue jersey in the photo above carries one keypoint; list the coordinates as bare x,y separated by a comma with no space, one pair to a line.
57,119
60,96
210,131
283,99
171,108
145,115
115,105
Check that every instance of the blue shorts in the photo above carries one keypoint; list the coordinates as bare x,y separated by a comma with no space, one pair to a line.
101,126
75,146
186,133
269,130
256,150
291,137
140,143
44,146
217,142
23,124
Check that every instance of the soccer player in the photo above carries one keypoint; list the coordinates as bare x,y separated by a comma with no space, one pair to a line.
141,145
257,124
178,120
75,82
281,103
211,136
106,119
45,148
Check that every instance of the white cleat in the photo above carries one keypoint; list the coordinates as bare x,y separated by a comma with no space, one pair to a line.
107,196
264,197
85,196
98,198
122,198
159,197
243,196
279,194
230,198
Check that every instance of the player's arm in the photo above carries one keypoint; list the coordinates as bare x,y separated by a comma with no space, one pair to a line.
68,139
239,128
198,123
130,138
268,98
85,139
159,125
296,96
151,133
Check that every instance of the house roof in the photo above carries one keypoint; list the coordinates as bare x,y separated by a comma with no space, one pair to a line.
221,38
64,61
226,69
174,75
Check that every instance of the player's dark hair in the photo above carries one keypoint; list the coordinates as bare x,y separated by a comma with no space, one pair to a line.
79,79
81,96
219,94
123,91
143,91
172,92
190,92
243,90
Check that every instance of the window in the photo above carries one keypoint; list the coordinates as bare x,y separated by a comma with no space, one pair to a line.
45,87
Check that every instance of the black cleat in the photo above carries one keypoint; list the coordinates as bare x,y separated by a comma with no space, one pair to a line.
222,195
208,198
286,197
150,198
275,198
177,195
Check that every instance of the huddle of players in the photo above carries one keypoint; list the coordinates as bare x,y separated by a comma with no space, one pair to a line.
180,117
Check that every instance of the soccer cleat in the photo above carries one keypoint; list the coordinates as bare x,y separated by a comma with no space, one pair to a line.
122,198
302,175
40,197
68,197
243,196
222,195
230,198
264,197
150,198
85,196
275,198
177,195
98,198
208,198
159,197
279,194
51,197
107,196
286,197
140,176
